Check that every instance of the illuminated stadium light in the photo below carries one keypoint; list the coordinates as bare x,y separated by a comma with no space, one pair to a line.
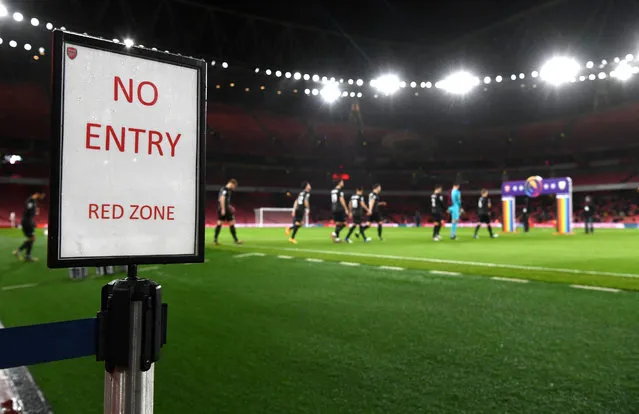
18,17
35,22
49,26
297,76
513,77
330,92
352,94
623,71
604,62
333,79
629,57
27,46
306,76
602,75
402,84
116,41
351,81
128,42
359,82
13,43
315,92
592,76
635,70
559,70
422,85
307,91
617,60
534,74
63,28
522,76
341,80
3,11
359,94
278,73
582,78
257,70
429,85
459,83
315,78
590,64
344,94
155,49
268,72
413,84
288,75
498,78
225,65
386,84
487,80
324,79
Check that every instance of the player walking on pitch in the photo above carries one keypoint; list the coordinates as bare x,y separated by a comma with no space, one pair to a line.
28,226
373,209
338,209
589,215
483,211
455,210
300,207
437,210
357,210
225,211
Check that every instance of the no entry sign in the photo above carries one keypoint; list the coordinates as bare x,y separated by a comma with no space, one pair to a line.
127,176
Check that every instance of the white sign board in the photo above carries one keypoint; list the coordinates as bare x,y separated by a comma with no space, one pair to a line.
130,146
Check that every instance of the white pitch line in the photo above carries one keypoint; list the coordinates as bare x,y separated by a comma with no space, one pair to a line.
26,285
602,289
148,269
444,273
243,255
453,262
285,257
510,279
391,268
349,264
310,259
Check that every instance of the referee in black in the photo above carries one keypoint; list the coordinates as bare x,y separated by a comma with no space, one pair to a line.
28,227
589,215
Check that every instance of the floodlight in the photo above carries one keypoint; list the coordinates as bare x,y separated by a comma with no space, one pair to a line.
13,43
128,42
590,64
116,41
629,57
623,71
635,70
268,72
429,85
324,79
18,17
582,78
413,84
402,84
49,26
332,79
297,76
487,80
315,78
513,77
307,91
459,83
352,94
423,85
559,70
360,82
604,62
307,76
257,70
521,76
344,94
498,78
63,28
617,60
35,22
592,76
359,94
27,46
386,84
602,75
288,75
534,74
3,11
330,92
350,81
225,65
315,91
278,73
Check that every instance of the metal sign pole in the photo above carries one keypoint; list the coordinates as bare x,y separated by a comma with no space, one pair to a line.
132,328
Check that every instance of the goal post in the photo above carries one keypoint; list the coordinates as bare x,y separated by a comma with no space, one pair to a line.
276,217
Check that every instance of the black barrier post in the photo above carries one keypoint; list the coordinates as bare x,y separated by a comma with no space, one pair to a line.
131,331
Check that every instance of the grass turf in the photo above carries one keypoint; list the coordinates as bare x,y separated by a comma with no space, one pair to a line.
262,334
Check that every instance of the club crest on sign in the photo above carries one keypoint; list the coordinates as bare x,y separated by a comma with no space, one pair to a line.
72,52
507,188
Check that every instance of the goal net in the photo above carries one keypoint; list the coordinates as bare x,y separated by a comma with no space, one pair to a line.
276,217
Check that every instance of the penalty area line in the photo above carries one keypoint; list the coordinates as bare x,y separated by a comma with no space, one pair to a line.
391,268
349,264
510,279
240,256
452,262
285,257
444,273
601,289
25,286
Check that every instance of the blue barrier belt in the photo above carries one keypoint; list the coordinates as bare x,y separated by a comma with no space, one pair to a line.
36,344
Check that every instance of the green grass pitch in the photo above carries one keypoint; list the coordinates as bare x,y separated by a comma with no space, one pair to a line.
280,334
